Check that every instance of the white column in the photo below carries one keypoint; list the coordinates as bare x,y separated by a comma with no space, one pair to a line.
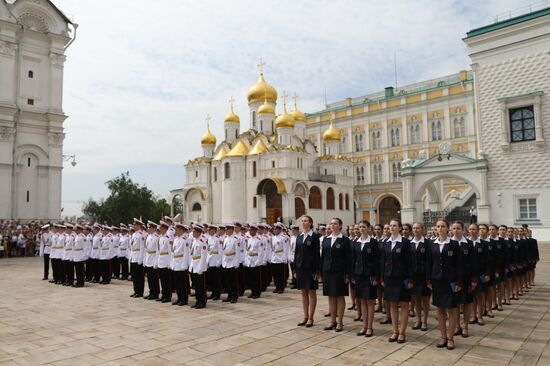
387,168
404,130
425,127
446,124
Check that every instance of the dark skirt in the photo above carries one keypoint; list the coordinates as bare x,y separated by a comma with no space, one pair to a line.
364,289
443,295
334,284
395,290
305,279
464,295
420,288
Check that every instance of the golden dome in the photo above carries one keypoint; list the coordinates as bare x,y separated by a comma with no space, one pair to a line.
284,119
208,138
231,117
262,91
266,108
222,153
298,115
239,149
332,134
258,148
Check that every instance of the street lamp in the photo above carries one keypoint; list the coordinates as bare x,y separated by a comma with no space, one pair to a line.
70,158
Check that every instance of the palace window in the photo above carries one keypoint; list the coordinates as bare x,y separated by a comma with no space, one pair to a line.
358,142
360,175
436,131
196,207
315,198
395,136
340,201
347,201
30,101
343,144
459,127
376,142
527,209
330,199
522,124
396,171
31,74
415,133
377,173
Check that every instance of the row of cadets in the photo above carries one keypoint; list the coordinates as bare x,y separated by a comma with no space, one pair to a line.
123,252
113,252
150,261
280,247
55,255
164,254
253,261
230,264
266,255
137,250
181,255
105,252
95,252
45,248
89,267
215,243
199,265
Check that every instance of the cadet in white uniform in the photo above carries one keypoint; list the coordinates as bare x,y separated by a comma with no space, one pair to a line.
68,255
113,254
89,268
230,264
150,261
137,250
253,261
181,258
123,251
95,253
45,249
164,256
213,276
79,255
279,257
199,265
54,256
104,255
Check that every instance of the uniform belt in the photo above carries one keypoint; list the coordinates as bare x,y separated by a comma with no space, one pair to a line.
229,254
279,251
68,249
212,253
135,250
95,247
178,256
122,248
78,249
151,252
252,254
195,257
163,253
104,248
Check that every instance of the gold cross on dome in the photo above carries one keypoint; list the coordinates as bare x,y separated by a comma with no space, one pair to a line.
285,95
208,120
295,98
231,101
261,66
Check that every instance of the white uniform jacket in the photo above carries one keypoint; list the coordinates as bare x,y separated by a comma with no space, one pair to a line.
230,248
137,247
68,247
105,246
79,253
165,251
181,253
280,248
253,252
199,256
123,246
45,243
215,248
151,248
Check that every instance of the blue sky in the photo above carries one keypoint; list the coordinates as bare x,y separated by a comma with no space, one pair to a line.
142,75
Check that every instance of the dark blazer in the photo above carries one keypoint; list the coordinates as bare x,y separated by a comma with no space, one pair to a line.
365,262
469,261
489,257
445,265
397,263
501,257
420,256
336,258
307,253
481,251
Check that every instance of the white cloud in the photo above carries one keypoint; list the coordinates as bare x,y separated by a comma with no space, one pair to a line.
142,75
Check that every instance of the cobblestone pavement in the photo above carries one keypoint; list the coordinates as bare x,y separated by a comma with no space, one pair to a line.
41,323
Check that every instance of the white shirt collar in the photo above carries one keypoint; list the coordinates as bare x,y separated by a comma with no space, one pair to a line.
447,241
418,241
398,239
462,240
364,241
336,237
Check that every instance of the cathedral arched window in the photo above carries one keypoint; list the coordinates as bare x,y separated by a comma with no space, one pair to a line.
343,144
395,136
254,169
227,171
347,201
415,133
315,198
196,207
340,201
254,120
436,131
358,142
215,174
396,171
330,199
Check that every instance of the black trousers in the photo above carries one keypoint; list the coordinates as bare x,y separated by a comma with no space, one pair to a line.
293,270
254,279
138,278
69,272
165,283
230,278
278,270
61,270
241,277
79,270
200,288
123,267
105,265
115,263
89,269
213,277
152,281
181,282
46,265
55,270
266,276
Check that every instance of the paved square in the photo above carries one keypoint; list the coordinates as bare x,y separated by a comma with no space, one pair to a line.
100,325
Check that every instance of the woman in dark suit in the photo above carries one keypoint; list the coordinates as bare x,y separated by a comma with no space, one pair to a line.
335,265
396,267
365,274
306,262
444,276
420,292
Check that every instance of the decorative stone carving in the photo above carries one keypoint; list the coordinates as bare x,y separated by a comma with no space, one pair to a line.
7,133
34,22
7,48
444,148
422,154
56,59
56,139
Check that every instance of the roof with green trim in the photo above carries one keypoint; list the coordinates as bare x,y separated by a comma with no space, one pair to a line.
508,22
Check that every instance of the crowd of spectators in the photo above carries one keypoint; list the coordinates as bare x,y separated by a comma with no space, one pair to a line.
19,240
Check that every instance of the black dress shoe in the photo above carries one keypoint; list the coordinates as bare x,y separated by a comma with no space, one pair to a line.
152,297
165,300
160,299
200,306
251,296
133,295
226,300
44,278
217,297
138,295
233,301
182,303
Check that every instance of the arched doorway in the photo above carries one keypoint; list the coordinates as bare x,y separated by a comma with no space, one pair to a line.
299,207
388,209
273,200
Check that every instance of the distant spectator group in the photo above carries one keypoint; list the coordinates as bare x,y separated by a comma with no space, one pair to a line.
19,240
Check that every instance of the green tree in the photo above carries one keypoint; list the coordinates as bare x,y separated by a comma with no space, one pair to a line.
126,200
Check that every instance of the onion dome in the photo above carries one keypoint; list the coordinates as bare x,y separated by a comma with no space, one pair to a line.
208,138
262,91
332,134
239,149
298,115
222,153
266,108
285,119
